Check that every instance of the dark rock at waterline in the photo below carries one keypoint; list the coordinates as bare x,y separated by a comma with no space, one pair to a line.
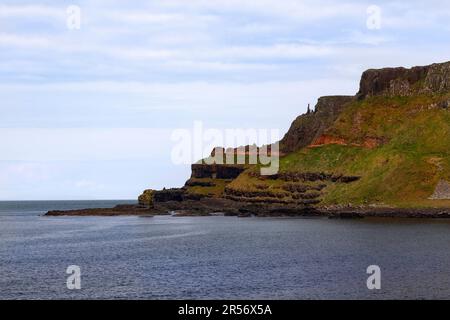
346,215
119,210
208,206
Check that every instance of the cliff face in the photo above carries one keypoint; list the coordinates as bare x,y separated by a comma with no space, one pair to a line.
308,127
379,147
390,134
433,79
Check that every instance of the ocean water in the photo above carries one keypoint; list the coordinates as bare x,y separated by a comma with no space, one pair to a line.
217,257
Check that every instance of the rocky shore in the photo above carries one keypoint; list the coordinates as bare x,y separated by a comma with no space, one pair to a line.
119,210
212,207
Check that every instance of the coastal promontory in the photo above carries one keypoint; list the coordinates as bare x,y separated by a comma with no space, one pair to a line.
383,152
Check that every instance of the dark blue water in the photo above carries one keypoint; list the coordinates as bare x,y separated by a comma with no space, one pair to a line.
217,257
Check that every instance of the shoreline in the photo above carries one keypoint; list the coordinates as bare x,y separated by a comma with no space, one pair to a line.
226,207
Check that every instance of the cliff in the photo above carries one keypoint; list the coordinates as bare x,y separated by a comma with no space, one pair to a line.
385,146
308,127
383,152
432,79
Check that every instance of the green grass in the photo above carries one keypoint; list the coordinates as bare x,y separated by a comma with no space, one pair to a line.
403,171
211,191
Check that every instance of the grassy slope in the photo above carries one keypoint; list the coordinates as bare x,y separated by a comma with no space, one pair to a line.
216,190
402,172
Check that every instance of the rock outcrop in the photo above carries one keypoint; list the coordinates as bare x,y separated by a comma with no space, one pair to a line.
165,195
432,79
308,127
146,198
120,210
442,191
216,171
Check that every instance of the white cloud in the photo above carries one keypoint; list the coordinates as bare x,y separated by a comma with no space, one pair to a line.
276,51
166,63
235,53
139,17
294,9
13,40
80,144
28,171
31,11
181,90
134,53
218,66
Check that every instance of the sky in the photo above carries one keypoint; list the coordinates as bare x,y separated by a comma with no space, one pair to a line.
91,92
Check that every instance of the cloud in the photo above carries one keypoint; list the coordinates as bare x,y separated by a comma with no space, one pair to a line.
13,40
235,53
29,171
301,10
275,51
199,91
80,144
31,11
139,17
113,90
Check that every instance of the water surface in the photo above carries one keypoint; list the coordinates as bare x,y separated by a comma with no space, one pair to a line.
217,257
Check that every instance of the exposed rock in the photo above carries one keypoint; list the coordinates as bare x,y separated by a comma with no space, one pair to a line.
295,187
369,142
437,79
308,127
248,150
327,139
395,81
432,79
119,210
204,206
190,213
193,196
216,171
346,215
208,206
348,179
146,198
442,191
312,177
199,183
384,212
254,194
444,104
308,195
165,195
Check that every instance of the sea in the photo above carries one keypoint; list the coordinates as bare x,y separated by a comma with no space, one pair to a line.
217,257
